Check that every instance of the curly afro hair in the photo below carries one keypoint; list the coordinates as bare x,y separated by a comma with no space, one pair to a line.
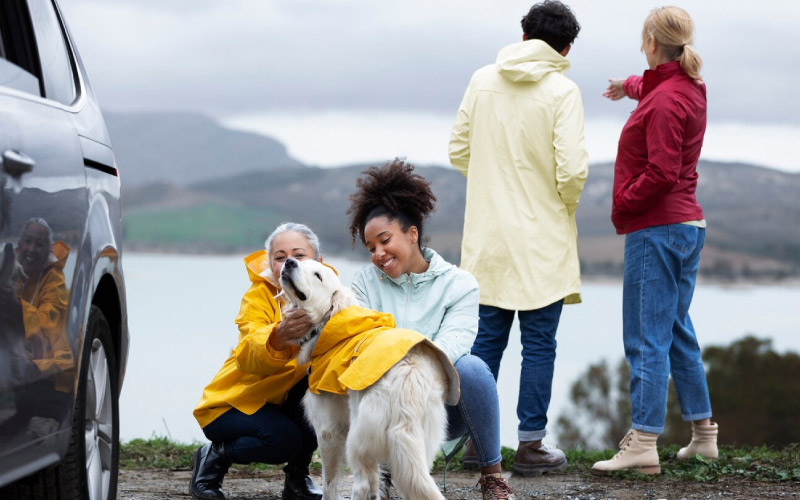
553,22
393,191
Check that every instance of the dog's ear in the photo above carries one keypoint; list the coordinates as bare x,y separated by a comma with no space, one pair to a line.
341,299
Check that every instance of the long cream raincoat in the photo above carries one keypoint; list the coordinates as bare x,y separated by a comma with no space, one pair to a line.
518,138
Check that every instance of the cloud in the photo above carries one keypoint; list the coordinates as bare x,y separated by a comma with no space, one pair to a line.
392,58
239,55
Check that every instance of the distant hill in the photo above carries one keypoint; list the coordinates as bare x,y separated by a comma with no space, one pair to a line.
192,185
184,148
753,215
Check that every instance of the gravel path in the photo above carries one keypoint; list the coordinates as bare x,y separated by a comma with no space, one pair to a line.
267,485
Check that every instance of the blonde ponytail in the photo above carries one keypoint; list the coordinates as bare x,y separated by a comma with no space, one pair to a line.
691,62
673,30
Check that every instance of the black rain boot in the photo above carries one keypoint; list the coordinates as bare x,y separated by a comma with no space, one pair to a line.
209,465
299,485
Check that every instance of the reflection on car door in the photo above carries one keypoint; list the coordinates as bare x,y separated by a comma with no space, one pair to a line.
43,205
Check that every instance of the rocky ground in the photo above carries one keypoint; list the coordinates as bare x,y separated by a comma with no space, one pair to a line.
157,484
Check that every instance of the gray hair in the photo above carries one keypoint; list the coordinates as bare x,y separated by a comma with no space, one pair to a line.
313,239
44,224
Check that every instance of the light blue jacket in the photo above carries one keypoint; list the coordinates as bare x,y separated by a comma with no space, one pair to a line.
441,303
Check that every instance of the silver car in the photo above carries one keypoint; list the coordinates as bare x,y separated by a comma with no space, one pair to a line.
63,321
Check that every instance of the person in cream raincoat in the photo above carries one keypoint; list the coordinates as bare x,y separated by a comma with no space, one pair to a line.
251,410
518,138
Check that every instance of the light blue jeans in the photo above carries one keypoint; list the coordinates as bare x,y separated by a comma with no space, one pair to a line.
478,410
661,265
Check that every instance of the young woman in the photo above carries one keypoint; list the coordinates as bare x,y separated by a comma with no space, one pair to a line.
427,294
251,410
655,178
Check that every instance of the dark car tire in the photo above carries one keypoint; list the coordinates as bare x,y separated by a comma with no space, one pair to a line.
89,469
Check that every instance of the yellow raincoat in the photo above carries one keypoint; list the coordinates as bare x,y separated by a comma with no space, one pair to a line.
254,374
44,300
339,360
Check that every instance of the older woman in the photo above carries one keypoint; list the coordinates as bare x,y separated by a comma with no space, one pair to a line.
654,206
251,410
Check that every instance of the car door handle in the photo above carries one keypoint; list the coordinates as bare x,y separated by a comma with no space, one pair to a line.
16,163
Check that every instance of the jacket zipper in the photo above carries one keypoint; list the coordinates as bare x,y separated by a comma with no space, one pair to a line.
408,296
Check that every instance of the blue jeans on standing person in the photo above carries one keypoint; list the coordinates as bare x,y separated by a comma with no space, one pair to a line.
273,435
661,265
538,336
478,410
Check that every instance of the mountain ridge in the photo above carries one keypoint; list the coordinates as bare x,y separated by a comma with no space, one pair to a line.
753,212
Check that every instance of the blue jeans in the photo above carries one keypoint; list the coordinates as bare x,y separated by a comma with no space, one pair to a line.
538,335
273,435
661,265
478,410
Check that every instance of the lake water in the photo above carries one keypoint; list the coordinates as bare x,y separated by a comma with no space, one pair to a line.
181,313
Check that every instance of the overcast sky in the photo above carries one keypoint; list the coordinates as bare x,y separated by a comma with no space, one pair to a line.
345,80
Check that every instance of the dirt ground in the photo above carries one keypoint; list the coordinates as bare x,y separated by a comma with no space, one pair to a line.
267,485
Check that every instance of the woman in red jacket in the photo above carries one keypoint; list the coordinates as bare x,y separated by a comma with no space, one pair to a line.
654,206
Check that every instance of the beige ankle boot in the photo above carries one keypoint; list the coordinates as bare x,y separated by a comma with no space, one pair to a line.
704,442
637,451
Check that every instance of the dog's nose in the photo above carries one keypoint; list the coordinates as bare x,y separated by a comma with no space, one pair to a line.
290,263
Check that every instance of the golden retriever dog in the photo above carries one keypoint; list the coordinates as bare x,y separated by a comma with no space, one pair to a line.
399,420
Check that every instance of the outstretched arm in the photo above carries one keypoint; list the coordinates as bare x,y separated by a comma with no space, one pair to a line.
621,87
614,90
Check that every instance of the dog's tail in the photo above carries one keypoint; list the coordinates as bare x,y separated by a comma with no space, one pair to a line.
419,424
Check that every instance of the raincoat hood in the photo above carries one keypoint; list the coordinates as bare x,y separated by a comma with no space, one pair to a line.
59,254
529,61
338,362
256,263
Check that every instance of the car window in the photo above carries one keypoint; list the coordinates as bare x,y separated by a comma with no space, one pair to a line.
12,76
19,65
54,59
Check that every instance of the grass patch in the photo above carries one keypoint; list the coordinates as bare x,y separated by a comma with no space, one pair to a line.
210,223
754,463
761,463
155,453
161,453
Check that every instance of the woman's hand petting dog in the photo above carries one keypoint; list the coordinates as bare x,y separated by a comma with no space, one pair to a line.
294,325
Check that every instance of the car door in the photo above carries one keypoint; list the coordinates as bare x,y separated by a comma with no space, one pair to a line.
43,206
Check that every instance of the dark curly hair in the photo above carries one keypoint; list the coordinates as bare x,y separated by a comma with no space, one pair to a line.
552,22
393,191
